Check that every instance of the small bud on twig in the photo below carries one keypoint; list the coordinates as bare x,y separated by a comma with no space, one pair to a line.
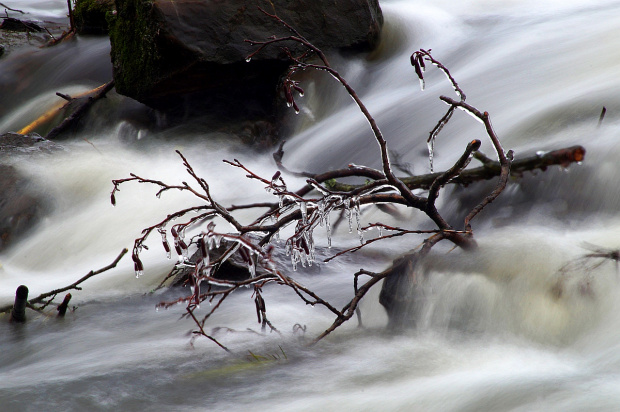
62,308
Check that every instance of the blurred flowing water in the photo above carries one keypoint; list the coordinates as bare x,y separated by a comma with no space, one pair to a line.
498,330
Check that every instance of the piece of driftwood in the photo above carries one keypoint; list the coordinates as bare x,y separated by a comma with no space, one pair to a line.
81,109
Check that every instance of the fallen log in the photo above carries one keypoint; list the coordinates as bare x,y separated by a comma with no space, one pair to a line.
490,169
84,100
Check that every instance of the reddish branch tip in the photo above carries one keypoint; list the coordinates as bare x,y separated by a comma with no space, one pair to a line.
579,154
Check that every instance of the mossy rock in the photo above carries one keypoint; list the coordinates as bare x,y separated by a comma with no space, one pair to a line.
135,52
91,16
184,55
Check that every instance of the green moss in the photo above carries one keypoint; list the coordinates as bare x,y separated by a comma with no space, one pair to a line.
90,16
135,55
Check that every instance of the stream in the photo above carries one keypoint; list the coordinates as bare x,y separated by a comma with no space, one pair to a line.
503,329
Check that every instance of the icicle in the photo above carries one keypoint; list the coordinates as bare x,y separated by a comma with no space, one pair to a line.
252,267
321,212
165,243
347,211
309,242
380,231
358,218
303,207
328,229
294,259
431,152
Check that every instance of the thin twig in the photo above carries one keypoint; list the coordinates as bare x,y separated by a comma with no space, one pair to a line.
8,8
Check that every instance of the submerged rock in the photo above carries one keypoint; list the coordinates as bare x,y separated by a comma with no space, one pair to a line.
398,292
12,144
21,204
173,54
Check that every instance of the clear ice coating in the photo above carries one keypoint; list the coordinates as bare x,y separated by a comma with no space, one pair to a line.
472,114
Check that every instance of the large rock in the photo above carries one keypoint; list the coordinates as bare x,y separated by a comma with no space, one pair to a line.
398,292
164,49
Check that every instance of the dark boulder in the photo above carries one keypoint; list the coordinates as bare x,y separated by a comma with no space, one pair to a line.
172,54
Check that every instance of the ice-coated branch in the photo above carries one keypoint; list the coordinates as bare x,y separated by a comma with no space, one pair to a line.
302,64
304,209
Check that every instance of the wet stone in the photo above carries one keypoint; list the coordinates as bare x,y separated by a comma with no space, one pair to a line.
12,144
12,24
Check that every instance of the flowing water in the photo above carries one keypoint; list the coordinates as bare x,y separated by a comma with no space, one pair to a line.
498,330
